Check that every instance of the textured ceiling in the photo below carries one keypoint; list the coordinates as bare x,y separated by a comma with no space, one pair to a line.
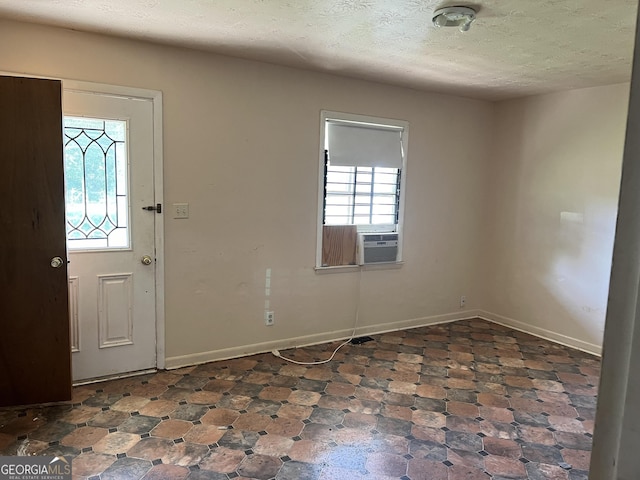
514,48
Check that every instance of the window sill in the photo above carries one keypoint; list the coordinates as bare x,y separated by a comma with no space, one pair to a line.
355,268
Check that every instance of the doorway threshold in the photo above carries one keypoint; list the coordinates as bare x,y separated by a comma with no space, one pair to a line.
104,378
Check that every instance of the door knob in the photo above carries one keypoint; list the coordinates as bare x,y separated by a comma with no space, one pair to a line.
146,260
57,262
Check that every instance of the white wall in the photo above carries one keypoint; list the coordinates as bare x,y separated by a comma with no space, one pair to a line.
241,142
554,191
511,204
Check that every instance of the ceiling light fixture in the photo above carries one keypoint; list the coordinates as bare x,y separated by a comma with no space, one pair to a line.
454,17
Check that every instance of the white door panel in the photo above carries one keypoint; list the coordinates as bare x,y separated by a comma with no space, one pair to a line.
113,301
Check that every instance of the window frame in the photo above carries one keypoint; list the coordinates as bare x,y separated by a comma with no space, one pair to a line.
327,115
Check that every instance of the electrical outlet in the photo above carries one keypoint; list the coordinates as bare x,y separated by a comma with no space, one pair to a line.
463,301
180,210
269,318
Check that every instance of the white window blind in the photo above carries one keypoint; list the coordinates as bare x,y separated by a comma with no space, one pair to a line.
360,145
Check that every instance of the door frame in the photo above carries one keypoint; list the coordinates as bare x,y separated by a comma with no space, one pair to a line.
155,96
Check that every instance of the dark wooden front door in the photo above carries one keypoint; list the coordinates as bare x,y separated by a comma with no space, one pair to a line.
35,356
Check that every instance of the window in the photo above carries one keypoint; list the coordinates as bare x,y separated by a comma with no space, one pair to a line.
95,172
363,196
362,165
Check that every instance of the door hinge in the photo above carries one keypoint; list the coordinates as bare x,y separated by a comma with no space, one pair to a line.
157,208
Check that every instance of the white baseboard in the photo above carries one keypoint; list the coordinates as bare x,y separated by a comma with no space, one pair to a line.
542,333
305,341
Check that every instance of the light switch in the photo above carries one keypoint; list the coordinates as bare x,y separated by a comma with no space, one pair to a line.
180,210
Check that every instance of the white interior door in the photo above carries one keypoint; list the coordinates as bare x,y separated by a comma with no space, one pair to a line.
109,178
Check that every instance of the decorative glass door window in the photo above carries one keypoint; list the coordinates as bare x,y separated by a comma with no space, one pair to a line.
96,184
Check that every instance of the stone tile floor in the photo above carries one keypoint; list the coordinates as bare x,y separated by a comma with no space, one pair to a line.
466,400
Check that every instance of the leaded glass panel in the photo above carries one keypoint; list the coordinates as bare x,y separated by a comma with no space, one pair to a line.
95,169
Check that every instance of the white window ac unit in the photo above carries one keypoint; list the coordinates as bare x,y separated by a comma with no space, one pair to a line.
377,248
